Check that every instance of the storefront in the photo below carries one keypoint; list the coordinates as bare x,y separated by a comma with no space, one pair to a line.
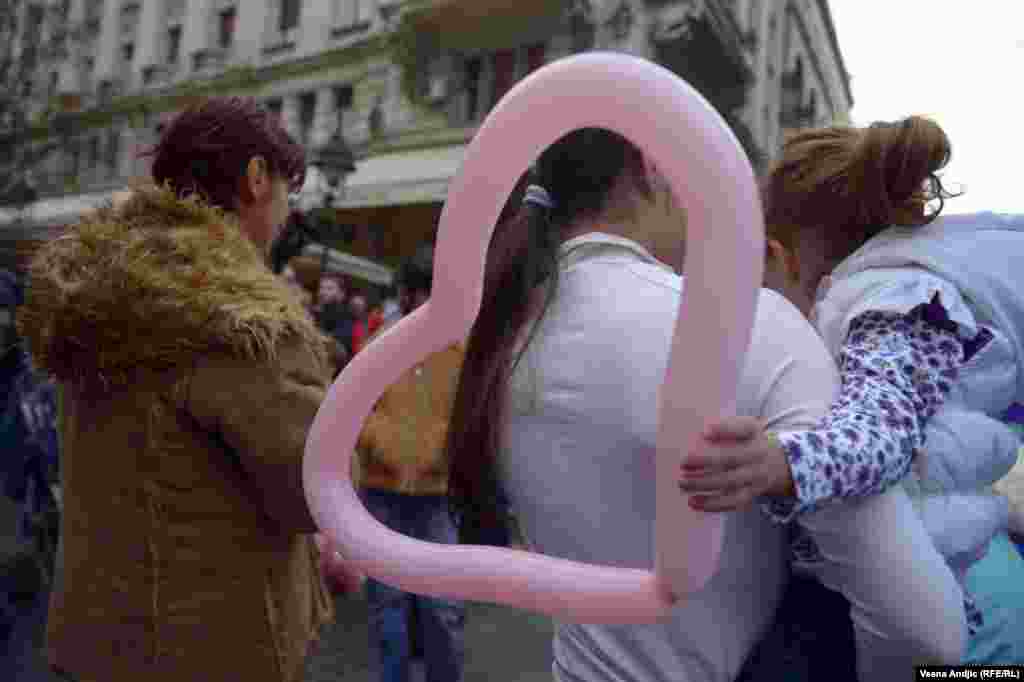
391,206
22,231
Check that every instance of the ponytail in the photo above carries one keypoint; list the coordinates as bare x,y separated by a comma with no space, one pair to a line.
578,173
856,182
523,255
896,164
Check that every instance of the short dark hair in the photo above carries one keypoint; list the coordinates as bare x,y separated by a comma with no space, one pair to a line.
205,149
417,273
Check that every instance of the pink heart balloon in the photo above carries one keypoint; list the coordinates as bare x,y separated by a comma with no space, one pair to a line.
710,175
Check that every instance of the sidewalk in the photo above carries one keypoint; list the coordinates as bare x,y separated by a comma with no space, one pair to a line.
502,645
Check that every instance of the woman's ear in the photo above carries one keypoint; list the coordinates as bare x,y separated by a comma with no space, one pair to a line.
256,184
784,261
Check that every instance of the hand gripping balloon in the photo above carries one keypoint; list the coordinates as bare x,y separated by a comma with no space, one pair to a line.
709,174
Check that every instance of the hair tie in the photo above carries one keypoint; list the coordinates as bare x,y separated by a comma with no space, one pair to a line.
537,195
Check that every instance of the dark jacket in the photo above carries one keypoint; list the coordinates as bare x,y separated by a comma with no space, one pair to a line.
336,321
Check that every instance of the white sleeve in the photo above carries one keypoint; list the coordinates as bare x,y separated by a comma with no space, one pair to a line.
789,373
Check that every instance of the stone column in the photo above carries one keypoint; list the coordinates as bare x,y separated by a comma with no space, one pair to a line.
316,21
250,30
109,43
325,121
290,115
149,39
196,29
69,74
69,80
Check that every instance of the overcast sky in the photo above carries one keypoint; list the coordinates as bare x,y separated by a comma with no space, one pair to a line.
960,63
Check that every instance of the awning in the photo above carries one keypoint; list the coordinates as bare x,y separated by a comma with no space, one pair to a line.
493,24
398,178
58,210
347,264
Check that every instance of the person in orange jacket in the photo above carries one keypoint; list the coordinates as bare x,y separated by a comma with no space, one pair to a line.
402,473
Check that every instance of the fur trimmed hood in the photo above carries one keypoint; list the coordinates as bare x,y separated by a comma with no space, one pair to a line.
149,284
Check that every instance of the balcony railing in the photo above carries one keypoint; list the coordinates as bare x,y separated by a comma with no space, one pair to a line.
211,59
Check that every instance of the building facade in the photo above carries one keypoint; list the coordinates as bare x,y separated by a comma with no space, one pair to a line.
405,82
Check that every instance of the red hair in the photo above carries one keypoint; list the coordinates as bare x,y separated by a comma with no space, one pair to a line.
849,184
206,148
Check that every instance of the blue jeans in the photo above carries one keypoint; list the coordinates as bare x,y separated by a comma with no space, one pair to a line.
441,621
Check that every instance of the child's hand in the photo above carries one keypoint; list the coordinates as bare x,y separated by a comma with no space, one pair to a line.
735,463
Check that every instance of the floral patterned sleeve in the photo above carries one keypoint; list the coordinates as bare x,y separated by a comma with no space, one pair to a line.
896,372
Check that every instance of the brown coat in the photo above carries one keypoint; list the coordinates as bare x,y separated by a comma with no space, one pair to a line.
401,447
190,375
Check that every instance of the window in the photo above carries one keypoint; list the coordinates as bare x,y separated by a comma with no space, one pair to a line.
54,82
75,152
129,19
87,68
226,27
289,17
352,13
793,113
94,152
489,76
343,96
113,152
35,17
474,72
173,44
307,114
125,67
504,73
535,57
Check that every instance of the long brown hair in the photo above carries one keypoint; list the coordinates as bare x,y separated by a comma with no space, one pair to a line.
579,171
853,183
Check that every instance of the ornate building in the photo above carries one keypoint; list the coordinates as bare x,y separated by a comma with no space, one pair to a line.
404,82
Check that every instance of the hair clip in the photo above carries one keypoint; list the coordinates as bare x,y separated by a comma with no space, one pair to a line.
537,195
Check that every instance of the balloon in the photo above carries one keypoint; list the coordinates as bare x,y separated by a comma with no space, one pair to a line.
710,175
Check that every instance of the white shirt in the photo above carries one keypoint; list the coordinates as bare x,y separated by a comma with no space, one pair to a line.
578,458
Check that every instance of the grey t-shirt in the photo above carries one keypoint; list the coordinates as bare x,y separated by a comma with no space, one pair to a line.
578,458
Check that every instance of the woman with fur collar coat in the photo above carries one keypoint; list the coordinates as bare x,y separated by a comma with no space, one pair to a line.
190,375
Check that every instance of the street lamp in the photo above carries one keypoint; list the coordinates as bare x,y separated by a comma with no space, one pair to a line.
21,194
334,159
331,162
